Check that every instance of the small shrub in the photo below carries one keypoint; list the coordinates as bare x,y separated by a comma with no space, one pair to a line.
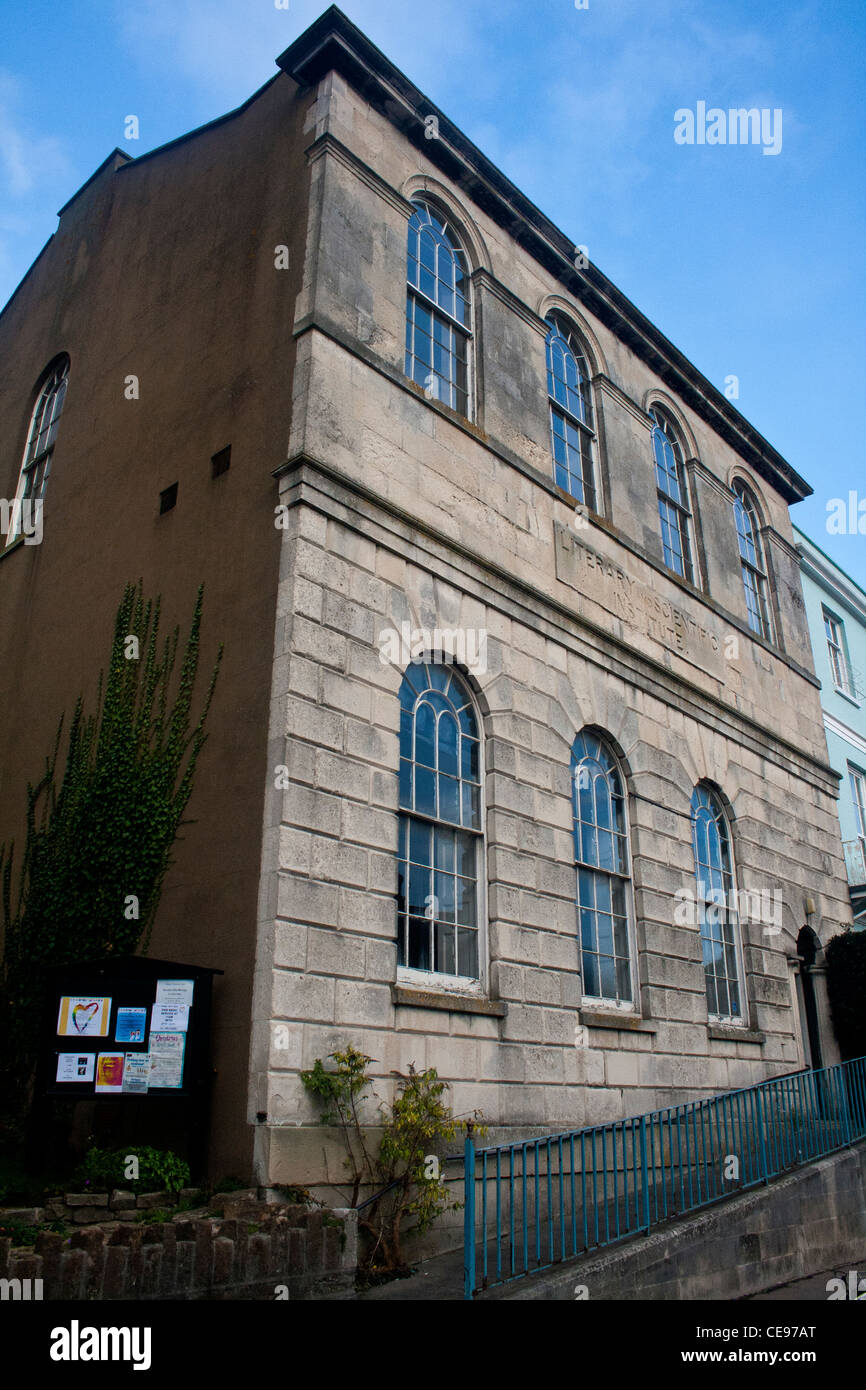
156,1216
159,1170
21,1235
403,1185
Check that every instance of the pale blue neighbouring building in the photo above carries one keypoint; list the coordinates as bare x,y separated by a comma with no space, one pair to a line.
836,612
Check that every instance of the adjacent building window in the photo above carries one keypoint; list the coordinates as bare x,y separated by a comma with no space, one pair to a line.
438,310
752,562
572,432
837,647
858,791
673,496
602,861
40,443
716,905
441,840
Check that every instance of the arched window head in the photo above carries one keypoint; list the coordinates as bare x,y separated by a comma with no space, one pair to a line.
602,860
441,842
438,310
39,448
673,496
717,905
572,431
752,561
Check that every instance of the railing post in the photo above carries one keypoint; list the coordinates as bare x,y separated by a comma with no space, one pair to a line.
843,1094
761,1136
643,1172
857,1076
469,1213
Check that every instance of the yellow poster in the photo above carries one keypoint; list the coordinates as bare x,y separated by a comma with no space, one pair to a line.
83,1016
109,1071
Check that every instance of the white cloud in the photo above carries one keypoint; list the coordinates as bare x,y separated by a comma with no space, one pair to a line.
27,161
229,47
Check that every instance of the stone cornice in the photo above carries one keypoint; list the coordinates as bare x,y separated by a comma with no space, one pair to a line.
707,476
328,144
771,534
318,322
333,43
604,383
503,293
328,490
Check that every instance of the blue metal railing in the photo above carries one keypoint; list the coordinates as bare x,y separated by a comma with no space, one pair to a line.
538,1202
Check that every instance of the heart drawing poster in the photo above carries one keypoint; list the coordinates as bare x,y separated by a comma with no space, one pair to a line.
83,1016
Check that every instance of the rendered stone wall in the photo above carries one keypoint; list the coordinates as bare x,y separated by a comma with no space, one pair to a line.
334,855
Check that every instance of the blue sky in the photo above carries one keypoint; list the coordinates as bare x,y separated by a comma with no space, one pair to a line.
752,264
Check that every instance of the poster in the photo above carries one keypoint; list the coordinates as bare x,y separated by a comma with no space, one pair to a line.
169,1018
166,1060
175,992
109,1072
131,1025
83,1016
74,1066
136,1073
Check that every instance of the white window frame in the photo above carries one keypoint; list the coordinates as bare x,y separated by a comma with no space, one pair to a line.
726,1020
663,423
596,1001
584,429
436,310
756,570
837,649
857,780
431,980
53,379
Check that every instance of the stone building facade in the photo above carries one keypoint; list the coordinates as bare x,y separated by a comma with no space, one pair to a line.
552,495
410,511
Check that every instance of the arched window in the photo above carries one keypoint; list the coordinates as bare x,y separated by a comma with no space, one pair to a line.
602,859
40,445
673,496
441,841
717,905
752,561
571,420
438,310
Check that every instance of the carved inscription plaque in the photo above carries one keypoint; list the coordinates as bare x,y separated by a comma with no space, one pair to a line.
634,603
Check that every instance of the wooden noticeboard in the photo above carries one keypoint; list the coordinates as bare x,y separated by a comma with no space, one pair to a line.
133,1033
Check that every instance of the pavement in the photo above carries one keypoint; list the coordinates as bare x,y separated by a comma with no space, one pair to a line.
435,1281
441,1280
814,1289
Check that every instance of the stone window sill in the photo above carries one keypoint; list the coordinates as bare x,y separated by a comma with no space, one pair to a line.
720,1032
599,1018
453,1003
846,695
